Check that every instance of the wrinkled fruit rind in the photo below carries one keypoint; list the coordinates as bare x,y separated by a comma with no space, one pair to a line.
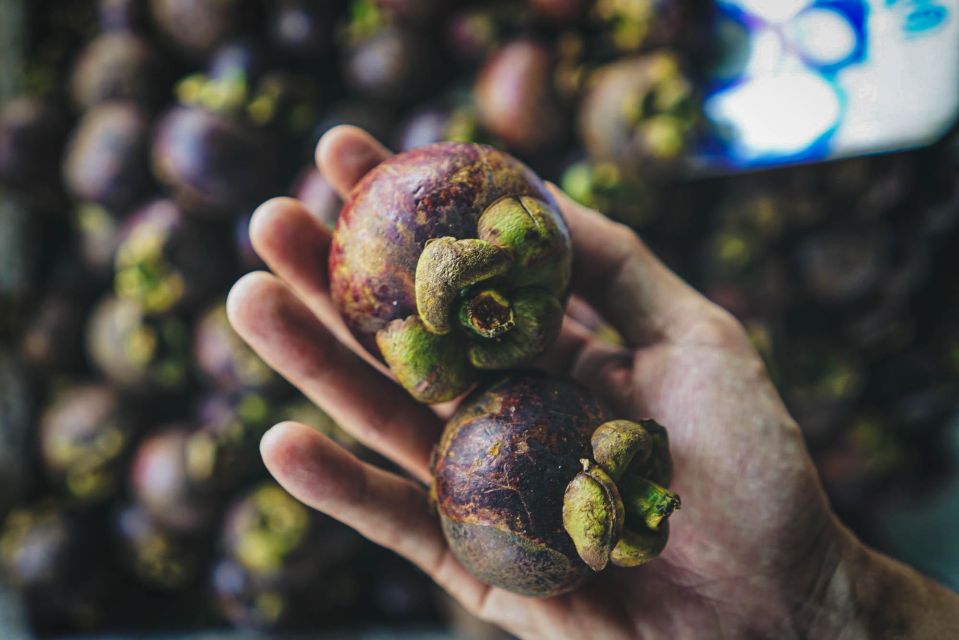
503,464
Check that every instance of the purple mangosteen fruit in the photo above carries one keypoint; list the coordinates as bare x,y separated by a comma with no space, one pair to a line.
196,27
155,554
639,113
167,479
537,488
302,28
391,64
283,565
106,160
118,66
450,260
215,162
516,100
57,560
85,437
137,352
168,261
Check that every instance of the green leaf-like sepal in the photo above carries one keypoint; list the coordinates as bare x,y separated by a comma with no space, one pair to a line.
445,268
535,235
639,545
433,368
593,514
537,318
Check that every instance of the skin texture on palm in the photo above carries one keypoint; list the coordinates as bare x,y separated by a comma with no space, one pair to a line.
755,552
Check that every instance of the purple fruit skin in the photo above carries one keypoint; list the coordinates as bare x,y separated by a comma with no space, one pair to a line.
191,248
431,192
118,66
500,473
106,159
161,481
214,162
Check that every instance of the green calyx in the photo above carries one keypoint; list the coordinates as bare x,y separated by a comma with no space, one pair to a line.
490,302
593,514
433,368
613,510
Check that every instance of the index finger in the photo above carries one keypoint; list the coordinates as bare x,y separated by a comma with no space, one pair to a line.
345,154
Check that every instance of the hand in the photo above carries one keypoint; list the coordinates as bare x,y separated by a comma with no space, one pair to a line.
755,549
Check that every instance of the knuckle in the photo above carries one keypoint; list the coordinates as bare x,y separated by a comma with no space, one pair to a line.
719,329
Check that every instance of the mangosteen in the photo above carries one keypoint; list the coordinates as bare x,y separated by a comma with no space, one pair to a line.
516,100
118,66
168,261
215,162
474,33
52,342
318,196
137,352
224,359
229,433
170,476
58,561
537,489
196,27
157,555
602,186
32,133
628,26
449,260
243,59
303,28
122,15
97,235
392,64
639,113
85,436
107,157
284,564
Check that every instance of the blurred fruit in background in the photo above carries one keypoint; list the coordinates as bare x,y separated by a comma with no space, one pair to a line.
106,157
146,132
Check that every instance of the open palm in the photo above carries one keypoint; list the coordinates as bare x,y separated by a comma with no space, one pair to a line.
755,544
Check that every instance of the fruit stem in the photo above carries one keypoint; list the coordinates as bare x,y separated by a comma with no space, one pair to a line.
646,502
488,314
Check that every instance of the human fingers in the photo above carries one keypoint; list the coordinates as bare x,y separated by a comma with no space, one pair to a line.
388,510
345,154
375,410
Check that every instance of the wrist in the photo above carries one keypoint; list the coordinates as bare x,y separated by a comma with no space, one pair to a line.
869,595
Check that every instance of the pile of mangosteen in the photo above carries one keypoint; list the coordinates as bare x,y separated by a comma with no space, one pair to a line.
138,136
